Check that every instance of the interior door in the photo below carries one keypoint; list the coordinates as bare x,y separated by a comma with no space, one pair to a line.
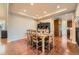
69,25
56,28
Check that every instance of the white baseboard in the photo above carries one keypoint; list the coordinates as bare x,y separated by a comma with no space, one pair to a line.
72,42
13,40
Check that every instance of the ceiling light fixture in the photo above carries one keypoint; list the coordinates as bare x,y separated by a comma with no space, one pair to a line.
31,4
37,15
24,10
45,12
58,6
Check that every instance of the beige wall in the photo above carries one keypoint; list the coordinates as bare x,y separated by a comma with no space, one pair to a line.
18,26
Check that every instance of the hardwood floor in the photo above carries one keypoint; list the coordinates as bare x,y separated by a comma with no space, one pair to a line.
20,47
3,41
72,49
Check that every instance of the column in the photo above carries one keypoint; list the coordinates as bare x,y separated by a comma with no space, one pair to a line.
64,34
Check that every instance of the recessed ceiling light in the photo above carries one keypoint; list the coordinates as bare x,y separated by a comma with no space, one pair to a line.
37,15
31,4
58,6
45,12
25,10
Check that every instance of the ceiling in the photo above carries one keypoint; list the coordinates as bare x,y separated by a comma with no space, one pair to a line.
40,10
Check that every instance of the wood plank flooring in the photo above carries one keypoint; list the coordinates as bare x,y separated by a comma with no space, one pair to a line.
20,47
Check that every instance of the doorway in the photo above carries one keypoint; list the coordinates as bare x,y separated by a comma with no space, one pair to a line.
56,28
